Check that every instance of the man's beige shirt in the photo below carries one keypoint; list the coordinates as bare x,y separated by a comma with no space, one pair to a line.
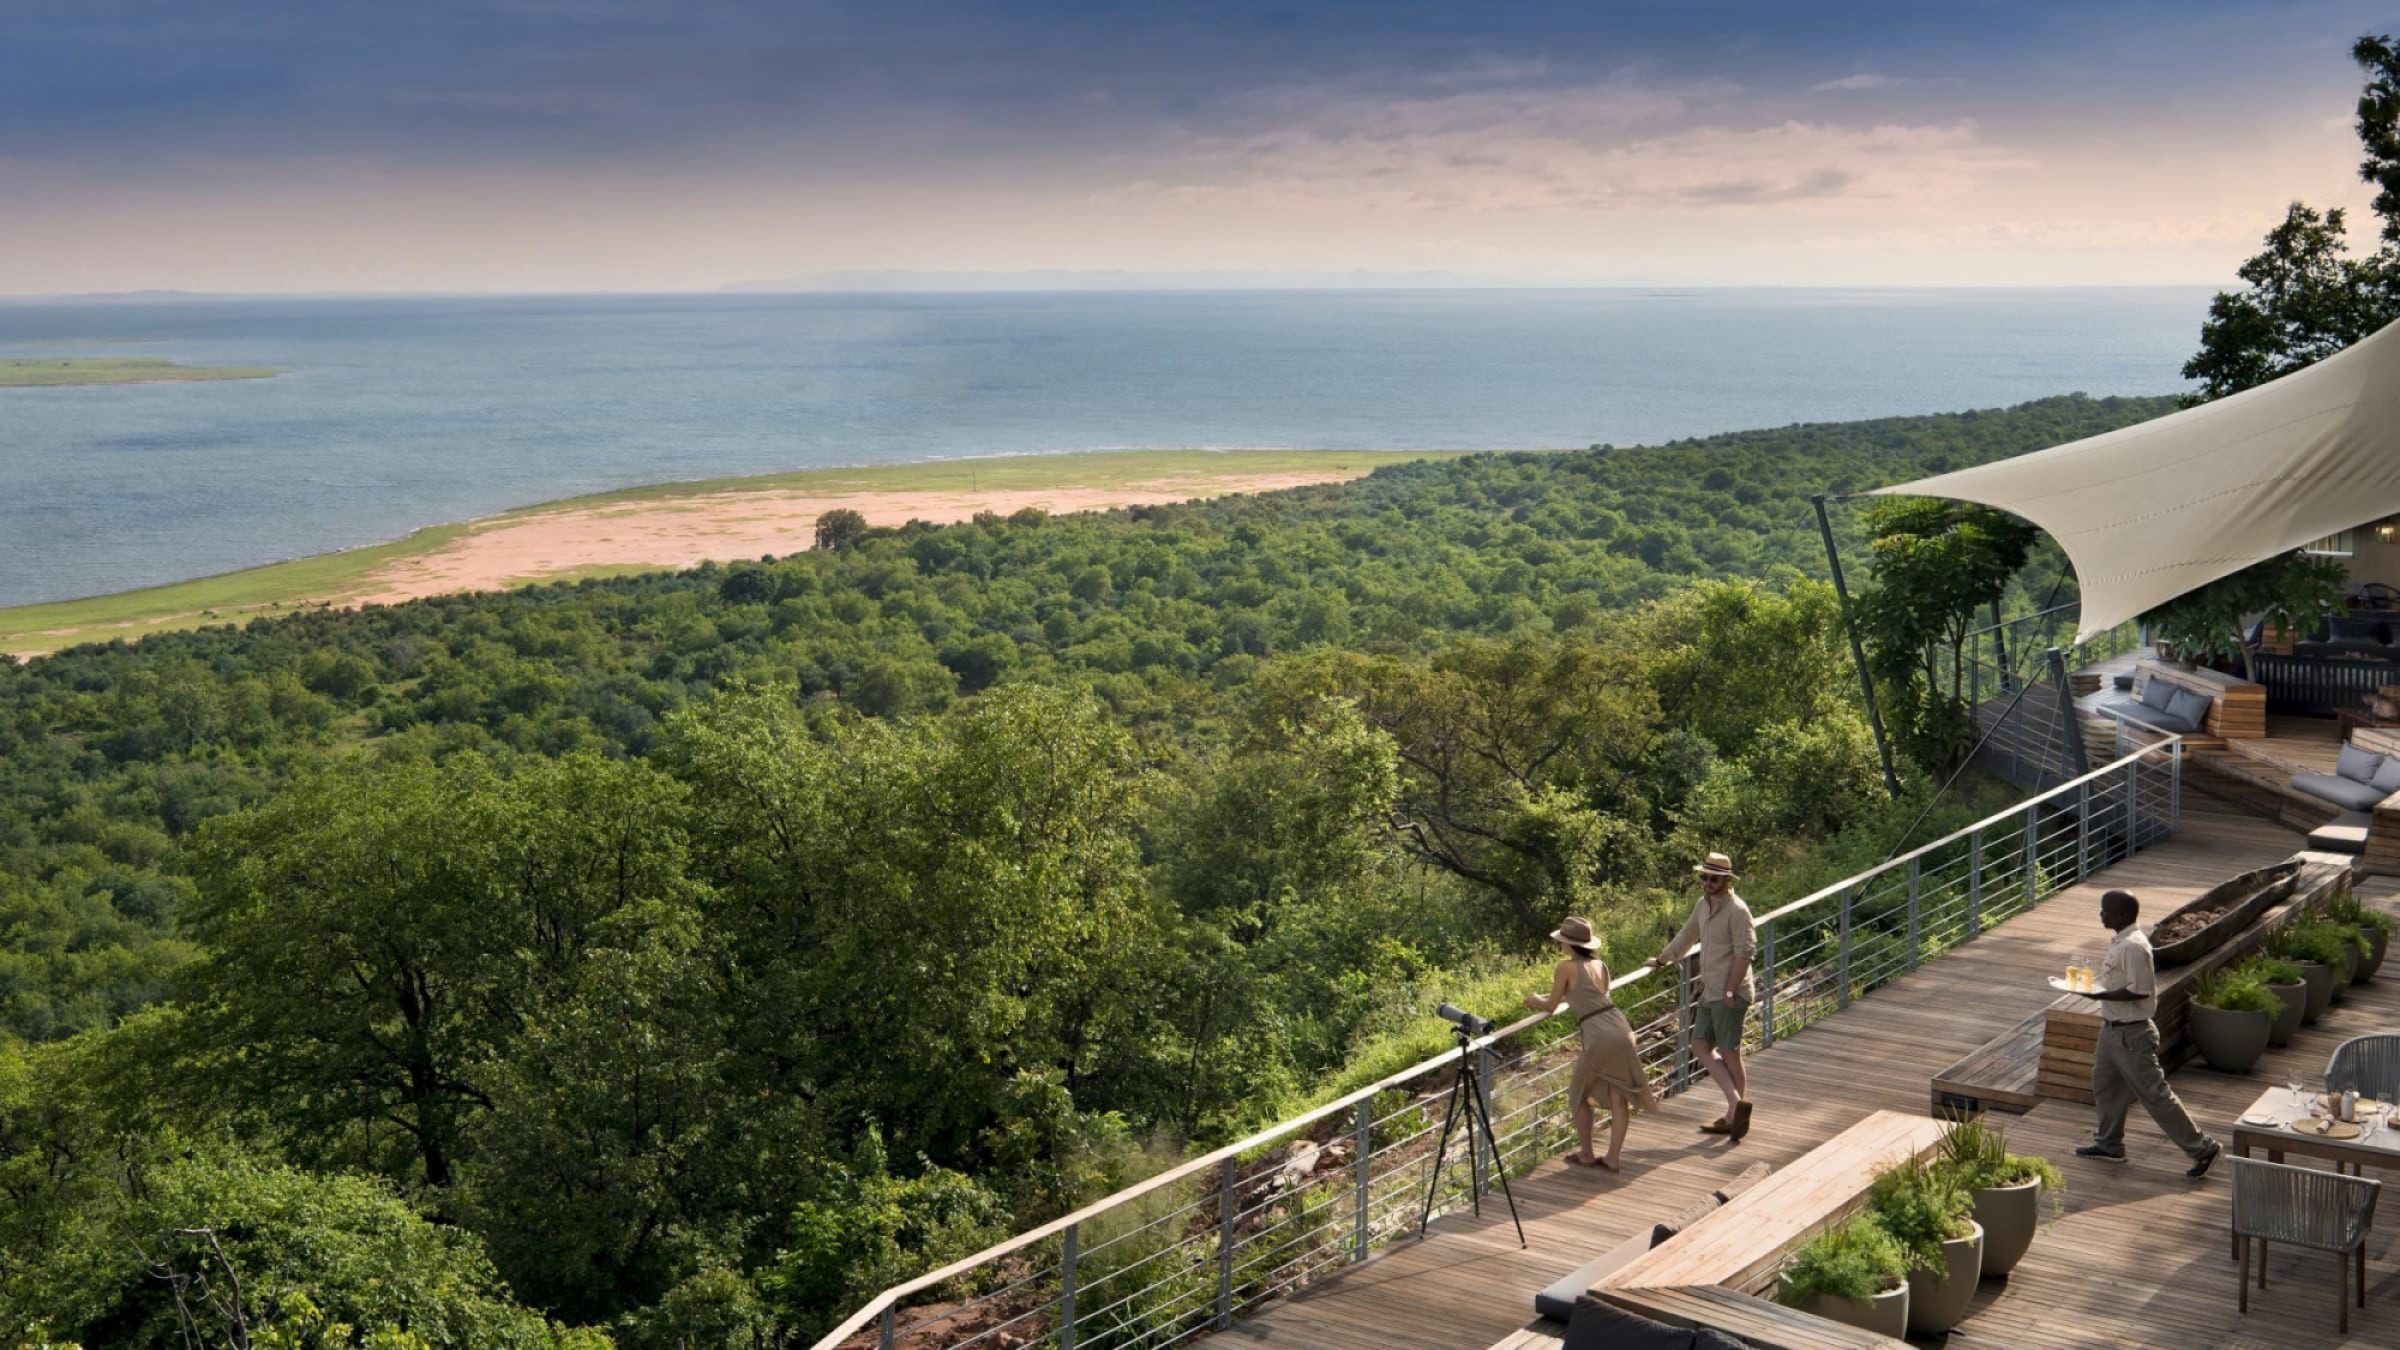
2130,965
1723,935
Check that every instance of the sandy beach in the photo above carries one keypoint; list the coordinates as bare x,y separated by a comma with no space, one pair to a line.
676,526
725,526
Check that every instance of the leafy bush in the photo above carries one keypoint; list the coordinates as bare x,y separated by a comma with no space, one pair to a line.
1855,1260
1974,1153
1922,1207
2236,989
2314,940
2273,970
2346,909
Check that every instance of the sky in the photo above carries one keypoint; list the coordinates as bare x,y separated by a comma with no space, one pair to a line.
688,145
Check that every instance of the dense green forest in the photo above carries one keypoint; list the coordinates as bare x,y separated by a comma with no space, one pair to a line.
678,959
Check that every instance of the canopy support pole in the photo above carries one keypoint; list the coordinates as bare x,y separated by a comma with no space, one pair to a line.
1858,653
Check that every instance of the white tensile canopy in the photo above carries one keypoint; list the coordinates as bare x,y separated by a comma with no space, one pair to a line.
2153,511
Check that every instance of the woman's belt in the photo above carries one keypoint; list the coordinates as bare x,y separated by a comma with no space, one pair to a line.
1582,1018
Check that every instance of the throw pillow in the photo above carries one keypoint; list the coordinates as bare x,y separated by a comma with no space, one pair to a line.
2189,706
2357,765
2157,692
2387,774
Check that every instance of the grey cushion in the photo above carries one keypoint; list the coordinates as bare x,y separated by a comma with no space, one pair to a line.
2357,765
2189,707
1600,1326
2387,775
2151,717
2156,692
2343,792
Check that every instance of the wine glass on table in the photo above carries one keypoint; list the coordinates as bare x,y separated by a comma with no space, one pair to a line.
2293,1082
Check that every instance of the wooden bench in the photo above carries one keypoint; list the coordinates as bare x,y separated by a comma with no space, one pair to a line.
2237,708
2003,1074
1716,1268
2071,1024
1741,1245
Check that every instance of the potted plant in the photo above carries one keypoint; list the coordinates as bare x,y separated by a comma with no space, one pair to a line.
2309,945
2006,1190
1925,1211
2231,1015
2341,948
2283,979
1852,1273
2373,925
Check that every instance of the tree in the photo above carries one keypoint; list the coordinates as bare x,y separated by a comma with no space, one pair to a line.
378,932
2214,621
839,528
1521,762
2305,297
1936,566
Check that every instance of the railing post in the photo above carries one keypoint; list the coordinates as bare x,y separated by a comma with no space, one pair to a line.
2132,808
2033,856
1912,912
885,1327
1841,994
2083,830
1363,1146
1483,1165
1683,1024
2175,788
1226,1209
1766,985
1974,885
1066,1292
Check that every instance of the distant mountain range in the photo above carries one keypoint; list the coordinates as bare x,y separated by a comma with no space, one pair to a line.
1064,279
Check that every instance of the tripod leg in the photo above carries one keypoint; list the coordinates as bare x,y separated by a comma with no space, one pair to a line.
1449,1116
1483,1111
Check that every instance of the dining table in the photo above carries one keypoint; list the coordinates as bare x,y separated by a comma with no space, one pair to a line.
2279,1123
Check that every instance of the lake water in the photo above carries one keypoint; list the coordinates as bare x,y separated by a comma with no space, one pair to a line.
402,413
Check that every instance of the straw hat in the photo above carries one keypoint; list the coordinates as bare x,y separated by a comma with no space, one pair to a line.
1577,933
1717,865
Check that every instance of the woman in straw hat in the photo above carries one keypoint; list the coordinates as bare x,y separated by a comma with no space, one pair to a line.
1609,1073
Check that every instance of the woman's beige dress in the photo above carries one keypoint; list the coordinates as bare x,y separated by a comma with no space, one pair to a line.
1609,1056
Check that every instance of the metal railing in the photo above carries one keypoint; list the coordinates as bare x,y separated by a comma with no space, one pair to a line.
1189,1250
2015,678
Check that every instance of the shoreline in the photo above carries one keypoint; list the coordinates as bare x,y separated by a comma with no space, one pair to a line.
669,526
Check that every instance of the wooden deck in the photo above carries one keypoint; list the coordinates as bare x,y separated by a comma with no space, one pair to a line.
2160,1241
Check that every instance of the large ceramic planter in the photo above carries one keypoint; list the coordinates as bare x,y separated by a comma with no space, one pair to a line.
2377,940
2294,998
2230,1039
1886,1314
2341,973
2009,1214
1935,1306
2319,978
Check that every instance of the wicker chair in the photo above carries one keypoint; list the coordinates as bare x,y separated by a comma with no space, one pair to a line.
2323,1211
2370,1064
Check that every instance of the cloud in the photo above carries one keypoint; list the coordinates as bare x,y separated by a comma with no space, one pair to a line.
1824,182
1852,84
1625,140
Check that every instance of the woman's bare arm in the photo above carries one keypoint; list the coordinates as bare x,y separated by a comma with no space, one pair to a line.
1558,989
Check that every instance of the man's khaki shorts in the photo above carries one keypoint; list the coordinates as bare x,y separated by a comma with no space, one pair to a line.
1719,1021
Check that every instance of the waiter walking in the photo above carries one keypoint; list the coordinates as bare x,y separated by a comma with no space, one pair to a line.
2125,1065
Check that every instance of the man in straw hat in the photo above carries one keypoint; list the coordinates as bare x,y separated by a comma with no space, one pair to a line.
1720,924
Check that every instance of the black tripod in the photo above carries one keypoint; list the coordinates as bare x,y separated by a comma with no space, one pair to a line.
1468,1087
